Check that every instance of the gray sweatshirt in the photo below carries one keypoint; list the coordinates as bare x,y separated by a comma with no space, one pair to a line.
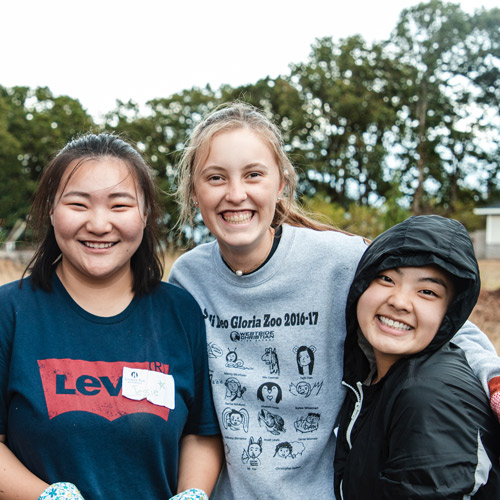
275,345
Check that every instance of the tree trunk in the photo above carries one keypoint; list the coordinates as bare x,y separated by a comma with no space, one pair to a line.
421,116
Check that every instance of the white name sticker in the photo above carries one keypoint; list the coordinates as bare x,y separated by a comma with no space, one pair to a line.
158,388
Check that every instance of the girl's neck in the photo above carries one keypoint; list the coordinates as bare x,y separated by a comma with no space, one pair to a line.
106,297
384,363
242,262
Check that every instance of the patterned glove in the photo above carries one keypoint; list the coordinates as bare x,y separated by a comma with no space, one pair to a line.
494,386
61,491
192,494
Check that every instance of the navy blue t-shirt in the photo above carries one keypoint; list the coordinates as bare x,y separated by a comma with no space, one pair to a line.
61,403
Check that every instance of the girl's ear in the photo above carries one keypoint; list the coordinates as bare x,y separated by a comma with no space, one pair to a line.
145,215
282,187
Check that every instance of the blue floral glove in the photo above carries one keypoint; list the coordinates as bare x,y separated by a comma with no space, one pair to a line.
192,494
61,491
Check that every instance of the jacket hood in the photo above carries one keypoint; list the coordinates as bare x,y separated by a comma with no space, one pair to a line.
418,241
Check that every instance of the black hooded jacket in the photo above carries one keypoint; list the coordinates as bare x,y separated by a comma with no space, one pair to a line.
426,429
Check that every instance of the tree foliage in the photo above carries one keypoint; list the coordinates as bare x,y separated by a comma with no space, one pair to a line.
34,125
440,53
377,131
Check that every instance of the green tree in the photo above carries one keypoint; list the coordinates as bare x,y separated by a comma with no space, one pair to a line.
435,47
346,116
13,186
34,126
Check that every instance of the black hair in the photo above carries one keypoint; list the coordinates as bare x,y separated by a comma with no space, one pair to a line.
146,264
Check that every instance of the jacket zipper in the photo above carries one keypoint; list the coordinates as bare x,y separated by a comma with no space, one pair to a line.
357,409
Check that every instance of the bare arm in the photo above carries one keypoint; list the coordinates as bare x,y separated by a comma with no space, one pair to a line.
200,462
16,481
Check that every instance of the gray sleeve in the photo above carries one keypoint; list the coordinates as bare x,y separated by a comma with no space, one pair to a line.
480,353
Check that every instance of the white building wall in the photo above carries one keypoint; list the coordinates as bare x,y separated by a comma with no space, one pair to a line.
493,230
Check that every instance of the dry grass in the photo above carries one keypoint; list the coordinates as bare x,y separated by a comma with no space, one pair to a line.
169,259
12,269
486,314
490,274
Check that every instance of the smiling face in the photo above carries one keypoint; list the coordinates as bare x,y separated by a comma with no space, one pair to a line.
236,419
284,452
232,386
98,219
402,310
270,392
237,187
304,358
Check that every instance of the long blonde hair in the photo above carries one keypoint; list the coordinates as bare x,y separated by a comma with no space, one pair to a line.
228,117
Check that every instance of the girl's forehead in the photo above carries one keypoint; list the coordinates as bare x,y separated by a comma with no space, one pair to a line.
96,174
218,139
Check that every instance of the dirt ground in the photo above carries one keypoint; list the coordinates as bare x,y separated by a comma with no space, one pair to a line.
486,314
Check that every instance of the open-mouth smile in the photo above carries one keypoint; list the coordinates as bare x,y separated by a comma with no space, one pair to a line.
398,325
240,217
99,246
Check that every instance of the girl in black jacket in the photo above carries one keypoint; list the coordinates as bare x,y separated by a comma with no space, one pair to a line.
416,422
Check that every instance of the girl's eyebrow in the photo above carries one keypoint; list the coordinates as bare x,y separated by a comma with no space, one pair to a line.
216,166
84,194
433,279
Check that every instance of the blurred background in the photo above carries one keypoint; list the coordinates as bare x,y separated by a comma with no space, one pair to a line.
388,108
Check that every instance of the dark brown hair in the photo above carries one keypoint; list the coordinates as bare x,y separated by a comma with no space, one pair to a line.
147,267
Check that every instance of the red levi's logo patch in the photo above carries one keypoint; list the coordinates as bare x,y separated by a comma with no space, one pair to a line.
93,386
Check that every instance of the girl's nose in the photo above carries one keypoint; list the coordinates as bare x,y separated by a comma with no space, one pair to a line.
400,300
99,222
236,192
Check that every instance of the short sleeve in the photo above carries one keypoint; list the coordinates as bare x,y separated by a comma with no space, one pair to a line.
202,419
7,313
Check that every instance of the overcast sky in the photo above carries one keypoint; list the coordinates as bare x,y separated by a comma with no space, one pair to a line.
98,51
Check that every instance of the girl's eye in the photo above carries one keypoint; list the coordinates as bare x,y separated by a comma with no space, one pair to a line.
384,278
429,292
215,178
255,175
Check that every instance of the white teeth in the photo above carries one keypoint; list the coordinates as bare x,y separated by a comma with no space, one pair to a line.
394,324
238,218
97,245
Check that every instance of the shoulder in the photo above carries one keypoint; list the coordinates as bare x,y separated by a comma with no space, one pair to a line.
18,290
19,299
327,238
168,292
198,256
441,380
8,288
329,246
433,415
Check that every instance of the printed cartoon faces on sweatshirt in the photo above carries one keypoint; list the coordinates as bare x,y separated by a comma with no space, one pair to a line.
268,391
